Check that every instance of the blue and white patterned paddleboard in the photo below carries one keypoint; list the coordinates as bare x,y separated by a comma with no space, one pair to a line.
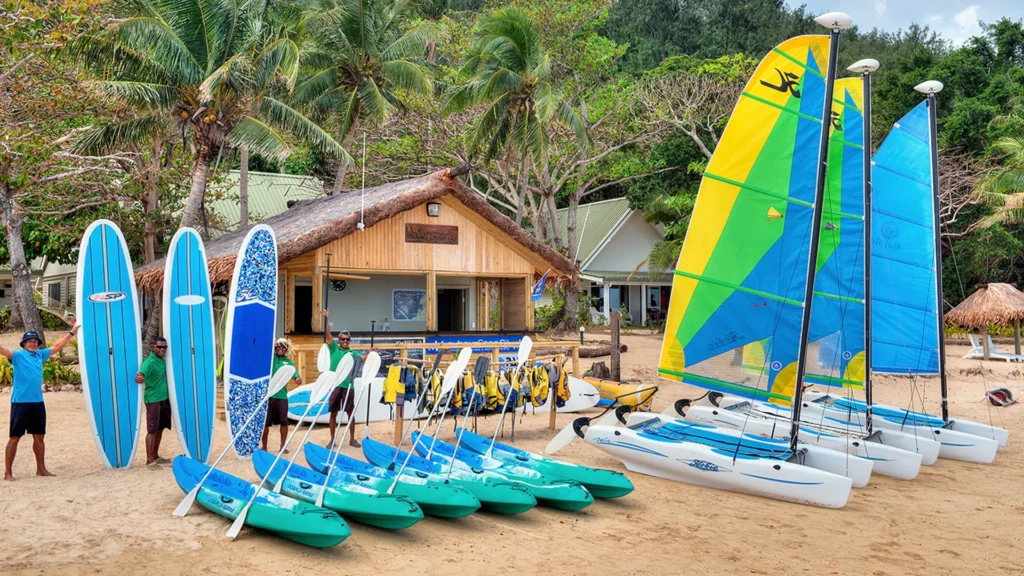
249,337
109,343
188,328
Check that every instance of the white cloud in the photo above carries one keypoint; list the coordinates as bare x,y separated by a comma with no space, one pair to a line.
966,25
880,6
968,17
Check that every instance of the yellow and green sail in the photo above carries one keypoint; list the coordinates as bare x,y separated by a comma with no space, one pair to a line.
742,272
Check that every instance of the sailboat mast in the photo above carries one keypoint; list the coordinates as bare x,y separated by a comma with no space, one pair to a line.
836,22
865,68
931,89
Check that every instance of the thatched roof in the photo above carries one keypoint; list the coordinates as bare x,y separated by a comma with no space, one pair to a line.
310,224
993,304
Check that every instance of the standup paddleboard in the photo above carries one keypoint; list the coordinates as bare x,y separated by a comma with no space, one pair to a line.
188,327
249,337
109,343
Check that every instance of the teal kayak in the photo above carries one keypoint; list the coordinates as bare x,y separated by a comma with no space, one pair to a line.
287,517
432,495
600,482
549,491
353,502
495,492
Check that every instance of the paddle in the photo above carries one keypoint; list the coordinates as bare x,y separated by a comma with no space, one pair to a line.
236,526
566,435
525,347
479,375
419,405
455,371
319,393
451,377
370,366
277,381
323,359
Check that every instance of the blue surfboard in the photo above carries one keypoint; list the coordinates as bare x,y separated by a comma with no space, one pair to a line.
109,343
188,328
249,337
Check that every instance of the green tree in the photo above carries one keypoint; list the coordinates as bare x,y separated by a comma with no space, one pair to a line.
217,70
367,53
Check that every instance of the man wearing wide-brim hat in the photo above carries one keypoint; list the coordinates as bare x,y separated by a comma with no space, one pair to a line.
28,413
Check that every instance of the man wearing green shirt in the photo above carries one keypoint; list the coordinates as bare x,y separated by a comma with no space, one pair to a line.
277,406
342,398
153,375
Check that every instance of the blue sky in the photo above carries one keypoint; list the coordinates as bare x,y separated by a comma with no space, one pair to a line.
956,20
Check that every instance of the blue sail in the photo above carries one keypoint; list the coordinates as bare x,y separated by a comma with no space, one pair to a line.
836,353
904,286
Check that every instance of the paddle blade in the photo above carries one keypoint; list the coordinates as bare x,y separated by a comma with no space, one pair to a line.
463,358
451,377
186,504
323,359
236,526
371,364
564,437
483,364
344,369
525,348
321,388
280,379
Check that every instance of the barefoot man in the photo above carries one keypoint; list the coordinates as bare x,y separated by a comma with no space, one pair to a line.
28,413
342,396
277,406
153,375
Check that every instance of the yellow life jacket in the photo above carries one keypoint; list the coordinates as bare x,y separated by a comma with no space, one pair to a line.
541,385
563,385
393,385
435,389
491,390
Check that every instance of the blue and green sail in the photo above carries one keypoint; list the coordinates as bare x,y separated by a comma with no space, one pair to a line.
742,272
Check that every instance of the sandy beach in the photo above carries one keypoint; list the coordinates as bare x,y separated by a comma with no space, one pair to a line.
956,518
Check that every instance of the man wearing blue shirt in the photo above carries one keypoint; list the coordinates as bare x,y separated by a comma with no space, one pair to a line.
28,413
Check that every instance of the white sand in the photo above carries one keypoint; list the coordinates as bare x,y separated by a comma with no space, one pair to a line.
955,518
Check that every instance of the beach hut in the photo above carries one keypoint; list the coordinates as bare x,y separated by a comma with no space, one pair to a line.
993,304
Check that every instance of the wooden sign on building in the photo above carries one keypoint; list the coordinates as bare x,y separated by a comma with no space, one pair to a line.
431,234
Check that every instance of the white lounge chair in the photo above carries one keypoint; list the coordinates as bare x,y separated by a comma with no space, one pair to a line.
597,318
978,352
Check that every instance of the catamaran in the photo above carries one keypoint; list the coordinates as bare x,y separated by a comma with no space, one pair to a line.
745,276
908,331
840,310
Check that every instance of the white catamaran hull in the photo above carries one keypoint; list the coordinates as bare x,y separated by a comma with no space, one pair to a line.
703,465
887,460
954,444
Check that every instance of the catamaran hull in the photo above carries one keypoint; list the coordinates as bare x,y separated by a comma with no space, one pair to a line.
954,444
887,460
705,466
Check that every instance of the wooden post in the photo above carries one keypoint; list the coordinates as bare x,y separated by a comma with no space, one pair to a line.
576,362
300,364
494,358
431,301
1016,336
615,345
552,396
984,342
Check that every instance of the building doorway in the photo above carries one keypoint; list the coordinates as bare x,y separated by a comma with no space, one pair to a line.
451,309
304,310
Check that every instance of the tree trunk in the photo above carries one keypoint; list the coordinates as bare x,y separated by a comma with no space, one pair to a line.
346,143
195,196
570,322
154,319
243,187
152,324
24,312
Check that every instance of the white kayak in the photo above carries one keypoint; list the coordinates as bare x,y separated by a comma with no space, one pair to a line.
704,455
955,442
770,421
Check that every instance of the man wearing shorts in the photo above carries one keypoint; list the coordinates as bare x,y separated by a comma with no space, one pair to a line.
28,413
153,375
342,397
277,406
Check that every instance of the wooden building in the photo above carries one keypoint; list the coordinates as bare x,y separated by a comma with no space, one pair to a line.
422,256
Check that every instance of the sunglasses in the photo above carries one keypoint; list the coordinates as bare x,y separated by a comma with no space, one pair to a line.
344,339
160,347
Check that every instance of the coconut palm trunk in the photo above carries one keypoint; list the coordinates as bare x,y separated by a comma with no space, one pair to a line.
195,195
24,313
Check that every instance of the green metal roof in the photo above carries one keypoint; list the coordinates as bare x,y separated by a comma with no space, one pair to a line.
595,222
612,277
269,194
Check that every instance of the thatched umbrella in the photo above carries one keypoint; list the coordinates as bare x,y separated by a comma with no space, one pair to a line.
993,304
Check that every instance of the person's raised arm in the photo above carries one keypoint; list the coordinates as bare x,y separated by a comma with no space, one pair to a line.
6,353
63,341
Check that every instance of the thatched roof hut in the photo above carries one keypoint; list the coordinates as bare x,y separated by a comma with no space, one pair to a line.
311,224
993,304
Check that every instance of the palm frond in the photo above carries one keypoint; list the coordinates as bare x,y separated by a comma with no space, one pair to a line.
502,81
236,75
142,95
114,136
567,115
280,57
374,106
315,86
279,114
261,138
408,75
159,44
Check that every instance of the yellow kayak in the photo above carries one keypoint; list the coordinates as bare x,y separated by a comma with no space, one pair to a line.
615,393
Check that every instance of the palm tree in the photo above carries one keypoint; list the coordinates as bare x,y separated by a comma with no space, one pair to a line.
366,52
1004,189
218,70
508,71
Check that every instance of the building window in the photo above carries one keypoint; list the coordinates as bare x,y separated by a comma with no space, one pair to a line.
53,291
